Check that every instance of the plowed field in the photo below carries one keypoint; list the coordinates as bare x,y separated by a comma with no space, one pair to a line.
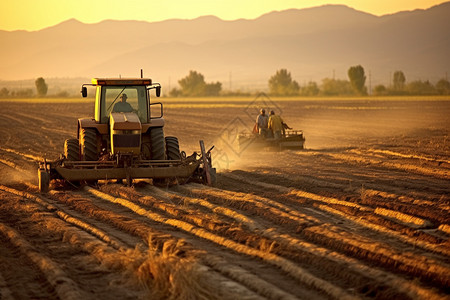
362,212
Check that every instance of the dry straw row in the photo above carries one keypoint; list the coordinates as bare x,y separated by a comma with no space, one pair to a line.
281,211
444,228
65,287
392,165
411,241
214,208
236,273
29,156
404,286
406,219
163,275
411,262
358,220
239,275
295,271
392,153
296,192
394,197
66,217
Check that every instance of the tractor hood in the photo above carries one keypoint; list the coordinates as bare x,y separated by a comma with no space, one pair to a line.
125,121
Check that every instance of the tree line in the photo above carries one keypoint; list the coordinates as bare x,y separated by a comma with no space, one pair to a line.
282,84
41,90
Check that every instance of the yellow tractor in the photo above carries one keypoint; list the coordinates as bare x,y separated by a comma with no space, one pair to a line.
125,141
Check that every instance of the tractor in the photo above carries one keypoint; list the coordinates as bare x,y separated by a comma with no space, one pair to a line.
125,141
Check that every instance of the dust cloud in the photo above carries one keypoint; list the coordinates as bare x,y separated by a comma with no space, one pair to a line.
14,176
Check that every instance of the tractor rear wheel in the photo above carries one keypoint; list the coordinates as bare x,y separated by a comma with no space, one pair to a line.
172,148
88,142
72,149
158,145
146,146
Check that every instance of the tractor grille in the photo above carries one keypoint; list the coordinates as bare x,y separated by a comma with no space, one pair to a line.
127,140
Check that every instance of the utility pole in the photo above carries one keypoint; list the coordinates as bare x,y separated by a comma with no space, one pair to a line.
230,80
370,83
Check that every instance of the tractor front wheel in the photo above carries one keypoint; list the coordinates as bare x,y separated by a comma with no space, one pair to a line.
88,143
72,149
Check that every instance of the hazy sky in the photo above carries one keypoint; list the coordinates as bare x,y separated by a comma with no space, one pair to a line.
38,14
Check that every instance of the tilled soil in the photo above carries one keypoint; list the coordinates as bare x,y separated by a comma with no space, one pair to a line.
362,212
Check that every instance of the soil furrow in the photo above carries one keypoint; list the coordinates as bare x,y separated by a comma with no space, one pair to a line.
342,263
144,230
302,275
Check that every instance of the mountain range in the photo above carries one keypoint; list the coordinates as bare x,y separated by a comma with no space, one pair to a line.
311,43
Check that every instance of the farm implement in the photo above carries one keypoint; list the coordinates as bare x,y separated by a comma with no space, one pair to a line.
125,141
290,139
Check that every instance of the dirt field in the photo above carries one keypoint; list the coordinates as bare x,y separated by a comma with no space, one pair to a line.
362,212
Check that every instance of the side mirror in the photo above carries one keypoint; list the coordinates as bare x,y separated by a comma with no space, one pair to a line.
84,91
158,91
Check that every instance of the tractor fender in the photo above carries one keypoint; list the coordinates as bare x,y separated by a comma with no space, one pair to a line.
159,122
90,123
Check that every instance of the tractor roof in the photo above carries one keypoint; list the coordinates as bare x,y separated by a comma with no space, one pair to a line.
121,81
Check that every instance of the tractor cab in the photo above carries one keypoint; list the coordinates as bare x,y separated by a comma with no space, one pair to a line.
122,95
122,121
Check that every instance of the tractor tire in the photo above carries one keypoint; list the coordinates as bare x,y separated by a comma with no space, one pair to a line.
172,148
88,143
146,146
158,145
72,149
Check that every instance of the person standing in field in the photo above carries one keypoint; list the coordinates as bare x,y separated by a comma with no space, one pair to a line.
262,121
275,124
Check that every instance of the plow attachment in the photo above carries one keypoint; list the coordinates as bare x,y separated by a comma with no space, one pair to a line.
193,168
291,139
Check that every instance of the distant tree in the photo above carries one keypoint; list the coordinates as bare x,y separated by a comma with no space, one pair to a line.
175,92
213,89
24,93
193,85
41,87
380,90
311,89
336,87
357,79
4,92
62,94
443,87
236,93
419,87
282,84
398,81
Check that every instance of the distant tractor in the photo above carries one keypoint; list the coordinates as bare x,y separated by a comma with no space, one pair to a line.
290,139
287,138
125,140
